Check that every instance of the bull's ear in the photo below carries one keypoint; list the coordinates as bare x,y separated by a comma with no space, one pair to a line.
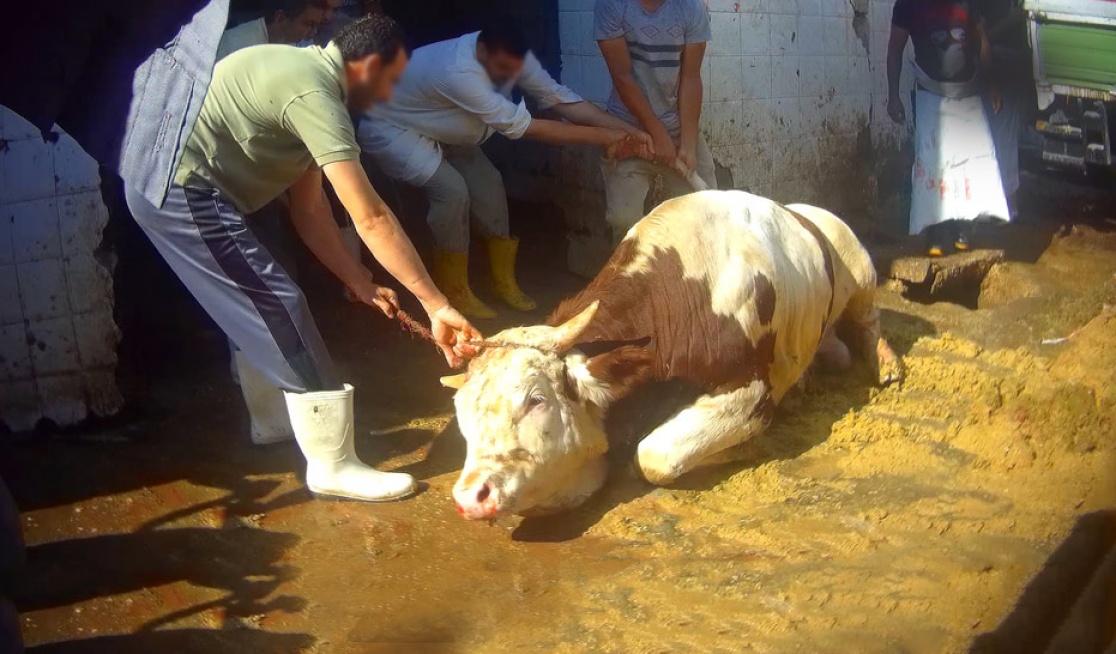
455,381
568,332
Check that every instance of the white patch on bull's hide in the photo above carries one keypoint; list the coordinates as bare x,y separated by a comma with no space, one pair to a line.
710,425
845,244
588,387
724,239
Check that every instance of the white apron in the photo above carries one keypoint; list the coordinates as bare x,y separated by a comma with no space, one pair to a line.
956,175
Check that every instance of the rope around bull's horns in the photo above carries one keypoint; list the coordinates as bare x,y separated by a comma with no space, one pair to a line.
415,328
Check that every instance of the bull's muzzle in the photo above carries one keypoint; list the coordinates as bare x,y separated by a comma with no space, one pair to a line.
477,500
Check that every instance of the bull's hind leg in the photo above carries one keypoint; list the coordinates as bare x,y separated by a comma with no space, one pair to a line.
710,425
861,325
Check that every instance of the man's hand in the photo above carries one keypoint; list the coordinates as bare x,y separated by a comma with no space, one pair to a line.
372,294
995,99
454,335
665,153
687,156
895,109
633,145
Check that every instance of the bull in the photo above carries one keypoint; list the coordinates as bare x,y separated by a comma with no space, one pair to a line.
724,290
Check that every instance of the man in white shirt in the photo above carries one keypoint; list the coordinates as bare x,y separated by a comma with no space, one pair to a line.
452,98
292,21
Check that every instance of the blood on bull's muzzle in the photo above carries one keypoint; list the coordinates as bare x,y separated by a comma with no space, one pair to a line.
477,498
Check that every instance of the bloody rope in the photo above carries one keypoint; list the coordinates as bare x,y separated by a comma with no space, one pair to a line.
415,328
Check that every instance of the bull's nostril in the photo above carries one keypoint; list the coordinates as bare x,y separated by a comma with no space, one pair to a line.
483,493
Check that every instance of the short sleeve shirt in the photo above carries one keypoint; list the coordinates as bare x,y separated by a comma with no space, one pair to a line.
945,34
655,40
271,113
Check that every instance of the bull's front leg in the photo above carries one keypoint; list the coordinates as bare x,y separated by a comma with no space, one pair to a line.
711,424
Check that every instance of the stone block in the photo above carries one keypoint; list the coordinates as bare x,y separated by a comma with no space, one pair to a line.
43,289
62,398
11,311
20,409
74,169
53,346
945,274
34,229
82,218
28,170
15,357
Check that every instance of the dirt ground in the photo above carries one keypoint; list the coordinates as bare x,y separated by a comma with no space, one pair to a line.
963,511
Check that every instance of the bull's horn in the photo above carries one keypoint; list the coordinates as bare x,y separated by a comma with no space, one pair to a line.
455,381
567,334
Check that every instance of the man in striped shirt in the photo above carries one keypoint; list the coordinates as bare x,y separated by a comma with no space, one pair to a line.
654,50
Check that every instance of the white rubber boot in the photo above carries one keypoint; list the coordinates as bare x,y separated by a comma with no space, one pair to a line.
355,247
266,405
323,426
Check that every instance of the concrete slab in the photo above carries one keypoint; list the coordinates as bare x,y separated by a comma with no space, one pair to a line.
945,274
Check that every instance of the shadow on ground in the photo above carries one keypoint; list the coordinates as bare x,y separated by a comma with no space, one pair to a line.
1049,598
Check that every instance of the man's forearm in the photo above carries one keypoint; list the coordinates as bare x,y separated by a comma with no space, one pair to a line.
896,43
587,113
632,97
318,230
381,232
559,133
689,109
387,241
894,66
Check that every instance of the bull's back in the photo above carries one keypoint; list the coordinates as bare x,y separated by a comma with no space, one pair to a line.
758,264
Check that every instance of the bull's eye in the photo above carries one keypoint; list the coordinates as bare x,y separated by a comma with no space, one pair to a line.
535,401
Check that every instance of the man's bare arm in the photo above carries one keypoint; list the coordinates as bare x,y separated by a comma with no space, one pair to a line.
313,220
381,232
896,43
986,66
587,113
689,102
560,133
619,62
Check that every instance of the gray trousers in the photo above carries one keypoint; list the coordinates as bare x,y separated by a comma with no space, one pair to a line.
237,281
627,183
466,183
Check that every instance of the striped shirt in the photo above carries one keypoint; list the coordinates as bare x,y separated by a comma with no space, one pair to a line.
655,41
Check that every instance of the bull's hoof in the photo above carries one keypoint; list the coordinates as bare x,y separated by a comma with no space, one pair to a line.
891,371
655,469
891,366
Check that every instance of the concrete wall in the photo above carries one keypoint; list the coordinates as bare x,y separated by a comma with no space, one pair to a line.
57,335
794,109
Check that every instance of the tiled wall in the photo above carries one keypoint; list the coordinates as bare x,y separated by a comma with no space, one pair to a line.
57,335
794,101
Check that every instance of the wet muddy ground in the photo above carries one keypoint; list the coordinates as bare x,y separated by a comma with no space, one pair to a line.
964,510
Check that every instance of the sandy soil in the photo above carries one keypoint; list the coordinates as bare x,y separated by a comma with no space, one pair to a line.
964,510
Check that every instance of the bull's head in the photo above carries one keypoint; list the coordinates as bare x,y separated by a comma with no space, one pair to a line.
532,422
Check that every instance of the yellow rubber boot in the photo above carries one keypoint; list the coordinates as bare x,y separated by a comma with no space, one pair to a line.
451,274
501,255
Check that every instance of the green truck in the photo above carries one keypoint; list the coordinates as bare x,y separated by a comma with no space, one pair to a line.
1074,48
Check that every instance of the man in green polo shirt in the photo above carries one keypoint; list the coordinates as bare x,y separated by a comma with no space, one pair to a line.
275,119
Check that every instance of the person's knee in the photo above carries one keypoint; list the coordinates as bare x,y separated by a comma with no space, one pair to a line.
449,200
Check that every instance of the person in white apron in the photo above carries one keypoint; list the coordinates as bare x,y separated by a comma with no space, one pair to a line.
956,178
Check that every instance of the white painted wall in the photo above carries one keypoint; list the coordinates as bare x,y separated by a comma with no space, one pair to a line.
57,335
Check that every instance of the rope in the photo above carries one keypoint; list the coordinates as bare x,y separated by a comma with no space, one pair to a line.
415,328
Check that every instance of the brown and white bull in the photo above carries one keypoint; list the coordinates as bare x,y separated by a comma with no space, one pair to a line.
722,289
